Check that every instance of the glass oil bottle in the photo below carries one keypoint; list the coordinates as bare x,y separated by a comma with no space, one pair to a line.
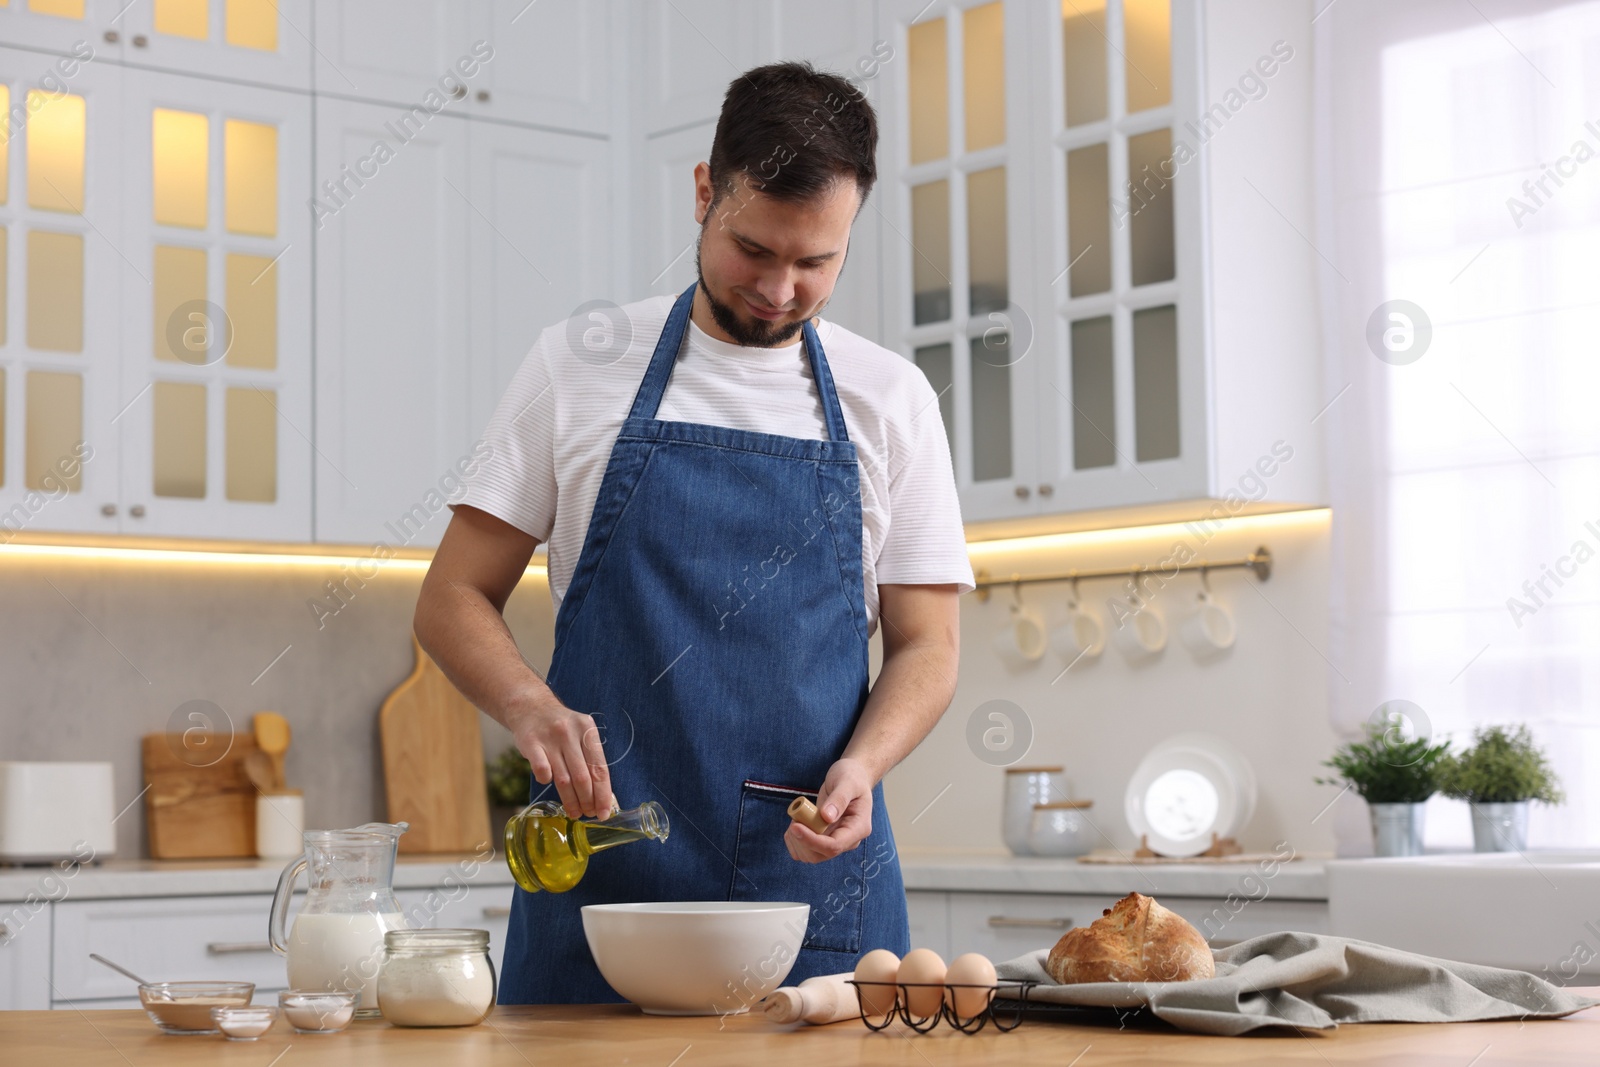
548,850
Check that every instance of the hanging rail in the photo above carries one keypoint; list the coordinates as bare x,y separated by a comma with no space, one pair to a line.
1259,561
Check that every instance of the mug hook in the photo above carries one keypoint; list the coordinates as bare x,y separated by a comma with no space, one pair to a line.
1016,592
1205,579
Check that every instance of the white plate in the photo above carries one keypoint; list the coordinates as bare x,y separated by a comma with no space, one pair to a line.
1244,775
1187,788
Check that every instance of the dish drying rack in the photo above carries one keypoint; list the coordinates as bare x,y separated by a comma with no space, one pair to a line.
947,1008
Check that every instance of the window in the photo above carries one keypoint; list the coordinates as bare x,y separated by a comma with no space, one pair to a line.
1464,449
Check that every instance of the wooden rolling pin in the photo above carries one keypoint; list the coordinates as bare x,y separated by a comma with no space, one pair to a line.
802,811
826,998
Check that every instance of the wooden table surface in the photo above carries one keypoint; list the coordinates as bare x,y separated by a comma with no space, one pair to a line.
579,1036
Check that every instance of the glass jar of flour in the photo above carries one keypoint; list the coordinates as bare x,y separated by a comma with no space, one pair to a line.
436,977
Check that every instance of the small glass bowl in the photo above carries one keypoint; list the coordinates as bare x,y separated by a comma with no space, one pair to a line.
185,1007
317,1011
244,1024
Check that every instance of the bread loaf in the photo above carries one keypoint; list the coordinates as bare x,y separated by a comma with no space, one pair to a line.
1135,940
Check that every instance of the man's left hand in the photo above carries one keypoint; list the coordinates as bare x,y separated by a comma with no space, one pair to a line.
845,801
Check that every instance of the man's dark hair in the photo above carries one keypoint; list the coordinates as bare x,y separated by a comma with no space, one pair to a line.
793,131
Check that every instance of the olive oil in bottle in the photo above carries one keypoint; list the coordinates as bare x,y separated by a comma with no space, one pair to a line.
547,850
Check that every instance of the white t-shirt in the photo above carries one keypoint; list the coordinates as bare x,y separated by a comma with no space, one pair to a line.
550,438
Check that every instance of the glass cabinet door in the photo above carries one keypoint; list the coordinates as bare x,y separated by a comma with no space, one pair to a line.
267,42
957,246
1126,402
59,279
216,435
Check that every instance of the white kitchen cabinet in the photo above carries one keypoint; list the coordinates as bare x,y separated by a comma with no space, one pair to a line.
929,914
62,279
1064,306
1004,926
392,301
554,65
395,51
267,42
692,49
165,938
663,258
60,25
540,245
24,957
156,357
215,421
435,275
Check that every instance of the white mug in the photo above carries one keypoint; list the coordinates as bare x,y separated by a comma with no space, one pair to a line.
1141,634
1209,631
1022,640
280,825
1080,637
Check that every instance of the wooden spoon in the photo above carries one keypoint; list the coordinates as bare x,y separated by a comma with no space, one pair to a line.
258,765
272,737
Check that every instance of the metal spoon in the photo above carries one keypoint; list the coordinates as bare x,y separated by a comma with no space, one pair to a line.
117,967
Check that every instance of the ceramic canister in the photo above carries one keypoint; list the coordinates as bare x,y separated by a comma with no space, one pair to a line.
1025,787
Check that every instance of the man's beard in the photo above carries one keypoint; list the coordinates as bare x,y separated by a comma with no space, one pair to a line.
756,334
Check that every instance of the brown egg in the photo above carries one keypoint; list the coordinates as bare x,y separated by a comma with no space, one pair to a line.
922,967
972,969
879,965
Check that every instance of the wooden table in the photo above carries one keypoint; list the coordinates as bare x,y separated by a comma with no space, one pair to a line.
579,1036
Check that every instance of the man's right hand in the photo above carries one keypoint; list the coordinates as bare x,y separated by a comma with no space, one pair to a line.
461,623
563,747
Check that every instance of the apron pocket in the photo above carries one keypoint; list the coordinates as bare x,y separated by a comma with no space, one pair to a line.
764,870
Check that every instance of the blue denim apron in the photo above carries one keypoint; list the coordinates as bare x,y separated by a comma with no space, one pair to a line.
716,629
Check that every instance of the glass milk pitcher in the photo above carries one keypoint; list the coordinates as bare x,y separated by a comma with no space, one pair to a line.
337,939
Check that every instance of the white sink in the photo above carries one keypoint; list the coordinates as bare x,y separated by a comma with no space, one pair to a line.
1535,911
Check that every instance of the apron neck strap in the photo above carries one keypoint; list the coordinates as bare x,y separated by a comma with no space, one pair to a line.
654,384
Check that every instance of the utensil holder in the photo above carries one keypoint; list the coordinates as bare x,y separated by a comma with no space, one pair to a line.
947,1006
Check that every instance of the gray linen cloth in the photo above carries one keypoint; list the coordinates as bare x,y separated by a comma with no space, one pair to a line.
1316,982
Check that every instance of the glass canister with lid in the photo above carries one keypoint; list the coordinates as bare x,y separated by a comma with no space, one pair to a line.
436,977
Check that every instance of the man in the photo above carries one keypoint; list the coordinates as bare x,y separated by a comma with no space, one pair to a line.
730,510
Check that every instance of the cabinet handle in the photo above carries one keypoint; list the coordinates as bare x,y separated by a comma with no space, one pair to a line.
459,91
1023,492
112,37
234,948
496,912
483,96
140,40
1047,924
137,511
108,510
1047,490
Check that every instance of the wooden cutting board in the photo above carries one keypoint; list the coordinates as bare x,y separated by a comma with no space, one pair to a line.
433,763
197,805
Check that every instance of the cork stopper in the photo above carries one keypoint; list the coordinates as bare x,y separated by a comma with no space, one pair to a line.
802,811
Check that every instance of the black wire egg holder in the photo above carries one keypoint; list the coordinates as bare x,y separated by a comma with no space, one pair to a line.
901,1008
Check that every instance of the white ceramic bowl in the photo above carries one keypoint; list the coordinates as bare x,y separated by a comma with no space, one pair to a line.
711,957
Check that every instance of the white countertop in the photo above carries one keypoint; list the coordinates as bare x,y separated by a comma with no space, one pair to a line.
1303,878
173,878
1299,879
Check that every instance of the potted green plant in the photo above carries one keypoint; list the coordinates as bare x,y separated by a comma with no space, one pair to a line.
1498,776
1395,775
509,776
